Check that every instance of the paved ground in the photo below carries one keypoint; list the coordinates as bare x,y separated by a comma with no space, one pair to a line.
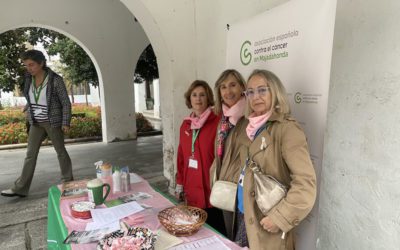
23,221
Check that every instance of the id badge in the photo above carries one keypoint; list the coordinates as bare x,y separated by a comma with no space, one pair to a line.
241,177
192,163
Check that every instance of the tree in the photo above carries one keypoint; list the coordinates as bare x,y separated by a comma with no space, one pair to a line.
146,69
67,80
12,44
80,66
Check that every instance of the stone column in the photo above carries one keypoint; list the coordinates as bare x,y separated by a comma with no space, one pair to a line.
156,92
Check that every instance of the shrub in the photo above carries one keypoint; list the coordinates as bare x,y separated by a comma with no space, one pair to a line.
13,133
142,124
85,122
84,127
89,111
11,116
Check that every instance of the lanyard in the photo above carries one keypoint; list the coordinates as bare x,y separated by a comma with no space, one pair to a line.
195,133
265,126
37,91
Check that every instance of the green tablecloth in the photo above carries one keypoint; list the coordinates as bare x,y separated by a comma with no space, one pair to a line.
56,230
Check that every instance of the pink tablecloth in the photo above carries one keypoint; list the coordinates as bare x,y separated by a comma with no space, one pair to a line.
147,218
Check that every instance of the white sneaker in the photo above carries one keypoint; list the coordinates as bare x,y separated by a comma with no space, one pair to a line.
10,193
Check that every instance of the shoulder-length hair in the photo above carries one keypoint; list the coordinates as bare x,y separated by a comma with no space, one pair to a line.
195,84
280,102
224,75
34,55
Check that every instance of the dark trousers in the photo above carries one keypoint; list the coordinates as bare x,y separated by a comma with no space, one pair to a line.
215,219
37,134
240,230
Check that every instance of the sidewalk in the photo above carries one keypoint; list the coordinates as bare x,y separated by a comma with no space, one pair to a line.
23,221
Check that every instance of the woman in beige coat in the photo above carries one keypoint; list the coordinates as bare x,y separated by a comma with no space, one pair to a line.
230,104
277,144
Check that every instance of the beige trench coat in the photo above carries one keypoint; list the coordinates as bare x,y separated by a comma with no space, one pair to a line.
230,167
288,160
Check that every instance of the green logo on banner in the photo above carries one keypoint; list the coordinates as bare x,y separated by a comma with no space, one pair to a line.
245,54
297,97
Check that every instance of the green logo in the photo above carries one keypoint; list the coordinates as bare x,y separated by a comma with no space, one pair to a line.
297,97
245,54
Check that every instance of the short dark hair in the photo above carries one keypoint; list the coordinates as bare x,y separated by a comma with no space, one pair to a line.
34,55
199,83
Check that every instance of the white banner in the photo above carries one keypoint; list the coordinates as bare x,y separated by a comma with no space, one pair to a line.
293,40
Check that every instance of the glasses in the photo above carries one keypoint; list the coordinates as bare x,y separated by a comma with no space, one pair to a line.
261,91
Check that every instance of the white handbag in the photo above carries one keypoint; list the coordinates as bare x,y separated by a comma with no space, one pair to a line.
223,194
268,190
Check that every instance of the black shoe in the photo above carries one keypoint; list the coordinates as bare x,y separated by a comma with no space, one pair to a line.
10,193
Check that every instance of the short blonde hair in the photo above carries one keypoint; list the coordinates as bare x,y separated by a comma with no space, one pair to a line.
224,75
195,84
280,102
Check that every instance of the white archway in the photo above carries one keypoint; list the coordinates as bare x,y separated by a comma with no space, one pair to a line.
164,61
109,35
114,41
76,40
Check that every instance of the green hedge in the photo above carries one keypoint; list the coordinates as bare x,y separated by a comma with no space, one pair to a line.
84,127
11,116
13,133
142,124
85,122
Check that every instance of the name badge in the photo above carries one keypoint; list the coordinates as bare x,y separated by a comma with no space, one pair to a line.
192,163
241,177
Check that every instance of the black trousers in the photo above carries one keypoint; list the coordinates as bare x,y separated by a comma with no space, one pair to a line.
215,219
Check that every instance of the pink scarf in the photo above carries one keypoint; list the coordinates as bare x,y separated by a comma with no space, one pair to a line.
255,122
235,112
198,122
